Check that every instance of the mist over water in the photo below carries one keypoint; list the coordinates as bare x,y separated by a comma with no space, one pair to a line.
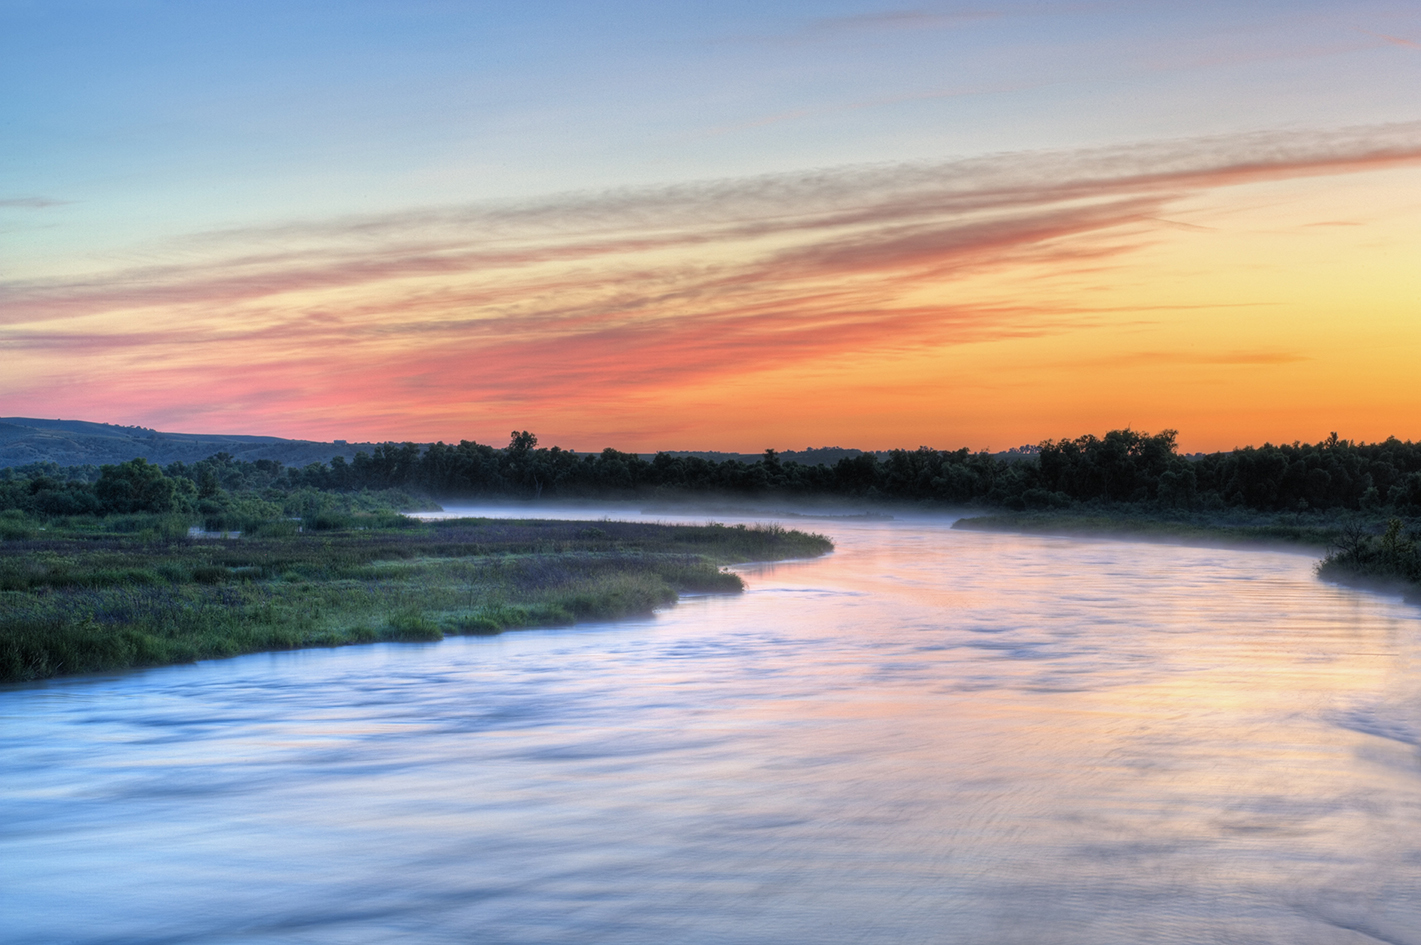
928,736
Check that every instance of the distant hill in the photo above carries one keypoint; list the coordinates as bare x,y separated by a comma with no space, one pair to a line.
25,440
817,456
827,455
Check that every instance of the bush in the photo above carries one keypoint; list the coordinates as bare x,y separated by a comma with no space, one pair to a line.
1390,558
134,486
412,626
15,526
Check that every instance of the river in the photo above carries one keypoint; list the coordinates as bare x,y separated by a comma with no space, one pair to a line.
929,736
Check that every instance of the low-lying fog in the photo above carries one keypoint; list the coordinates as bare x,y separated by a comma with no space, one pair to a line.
929,736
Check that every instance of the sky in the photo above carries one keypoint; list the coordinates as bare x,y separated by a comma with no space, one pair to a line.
723,226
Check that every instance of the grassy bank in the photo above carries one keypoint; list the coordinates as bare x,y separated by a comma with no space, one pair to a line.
1390,561
1207,528
1363,550
88,596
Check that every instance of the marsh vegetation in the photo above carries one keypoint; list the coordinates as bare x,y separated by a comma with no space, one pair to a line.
1388,561
123,530
138,591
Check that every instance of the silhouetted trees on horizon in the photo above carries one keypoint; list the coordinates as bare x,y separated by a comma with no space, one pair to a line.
1122,467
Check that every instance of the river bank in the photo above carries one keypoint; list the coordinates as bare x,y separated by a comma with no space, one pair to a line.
80,602
1371,551
1013,738
1190,528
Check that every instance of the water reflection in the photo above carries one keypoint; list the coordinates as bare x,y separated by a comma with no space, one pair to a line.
929,736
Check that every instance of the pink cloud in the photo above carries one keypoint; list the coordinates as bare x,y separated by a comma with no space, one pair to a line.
610,298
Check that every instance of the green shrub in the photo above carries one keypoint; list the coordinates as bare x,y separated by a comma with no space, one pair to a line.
210,574
412,626
15,526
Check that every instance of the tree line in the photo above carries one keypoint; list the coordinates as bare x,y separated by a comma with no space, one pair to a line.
1122,467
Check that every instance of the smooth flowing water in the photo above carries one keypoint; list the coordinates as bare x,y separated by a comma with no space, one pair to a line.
929,736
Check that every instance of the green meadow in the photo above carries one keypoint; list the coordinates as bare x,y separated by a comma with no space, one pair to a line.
129,591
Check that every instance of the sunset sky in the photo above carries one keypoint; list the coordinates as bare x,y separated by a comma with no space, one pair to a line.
714,226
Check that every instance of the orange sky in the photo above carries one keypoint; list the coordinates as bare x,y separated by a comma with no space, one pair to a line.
722,229
1262,286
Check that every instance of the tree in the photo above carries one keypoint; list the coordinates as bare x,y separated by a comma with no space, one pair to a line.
134,486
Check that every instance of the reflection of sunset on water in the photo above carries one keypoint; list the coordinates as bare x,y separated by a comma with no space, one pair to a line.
710,229
1016,738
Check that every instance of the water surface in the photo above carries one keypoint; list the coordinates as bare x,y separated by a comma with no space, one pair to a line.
929,736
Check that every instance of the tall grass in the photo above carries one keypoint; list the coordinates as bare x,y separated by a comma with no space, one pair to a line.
89,598
1320,530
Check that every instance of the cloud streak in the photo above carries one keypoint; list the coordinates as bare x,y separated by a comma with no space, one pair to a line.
1395,40
900,20
618,297
30,203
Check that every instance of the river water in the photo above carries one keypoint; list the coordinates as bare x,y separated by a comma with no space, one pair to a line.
928,736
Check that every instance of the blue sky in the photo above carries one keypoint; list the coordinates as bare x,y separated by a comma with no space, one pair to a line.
146,140
166,117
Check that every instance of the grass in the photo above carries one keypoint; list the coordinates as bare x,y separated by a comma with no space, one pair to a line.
1213,528
77,598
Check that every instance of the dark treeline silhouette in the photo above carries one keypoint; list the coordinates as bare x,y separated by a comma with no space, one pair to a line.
1124,466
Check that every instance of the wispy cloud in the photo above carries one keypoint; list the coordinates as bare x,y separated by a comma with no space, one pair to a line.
894,20
857,26
30,203
1152,359
1394,40
611,298
926,95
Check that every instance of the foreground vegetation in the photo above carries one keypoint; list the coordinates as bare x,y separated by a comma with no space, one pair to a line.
83,595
